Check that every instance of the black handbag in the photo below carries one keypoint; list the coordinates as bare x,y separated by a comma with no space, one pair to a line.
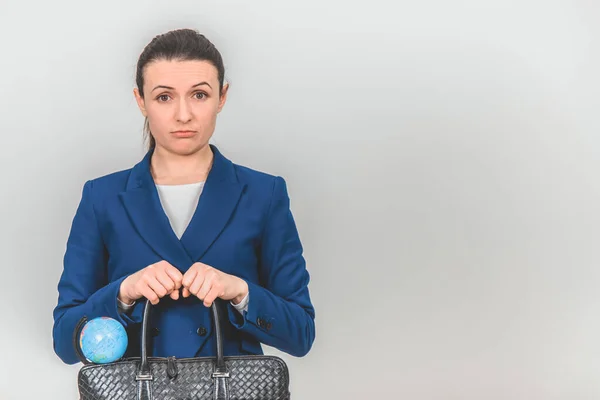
248,377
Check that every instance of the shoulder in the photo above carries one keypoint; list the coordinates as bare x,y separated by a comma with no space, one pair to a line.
113,181
106,186
260,182
252,176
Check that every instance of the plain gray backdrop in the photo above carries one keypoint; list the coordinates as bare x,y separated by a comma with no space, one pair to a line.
442,160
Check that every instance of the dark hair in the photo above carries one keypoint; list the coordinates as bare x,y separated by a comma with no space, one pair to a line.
181,45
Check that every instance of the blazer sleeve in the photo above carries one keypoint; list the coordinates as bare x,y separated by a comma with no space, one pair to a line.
280,313
83,287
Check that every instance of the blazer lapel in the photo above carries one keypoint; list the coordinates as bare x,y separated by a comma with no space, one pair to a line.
219,198
143,206
216,205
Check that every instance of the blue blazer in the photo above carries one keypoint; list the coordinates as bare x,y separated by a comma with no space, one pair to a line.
242,226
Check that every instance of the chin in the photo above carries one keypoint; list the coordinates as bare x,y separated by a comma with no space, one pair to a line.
185,147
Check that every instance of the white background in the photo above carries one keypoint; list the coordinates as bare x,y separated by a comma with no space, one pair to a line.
442,161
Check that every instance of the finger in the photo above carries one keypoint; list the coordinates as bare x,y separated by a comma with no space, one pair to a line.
175,275
175,294
189,277
198,283
155,285
166,281
206,287
211,296
185,292
148,293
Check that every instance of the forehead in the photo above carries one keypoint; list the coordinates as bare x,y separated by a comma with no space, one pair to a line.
180,74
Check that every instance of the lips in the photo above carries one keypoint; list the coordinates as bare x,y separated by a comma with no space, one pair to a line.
184,134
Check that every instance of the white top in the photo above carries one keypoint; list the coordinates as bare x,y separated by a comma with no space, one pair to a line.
179,203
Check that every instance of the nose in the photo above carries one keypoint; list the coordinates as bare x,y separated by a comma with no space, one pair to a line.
183,111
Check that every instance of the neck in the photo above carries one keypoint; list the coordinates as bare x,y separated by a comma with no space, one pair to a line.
177,169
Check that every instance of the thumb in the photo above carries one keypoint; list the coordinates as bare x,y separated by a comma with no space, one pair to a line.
175,294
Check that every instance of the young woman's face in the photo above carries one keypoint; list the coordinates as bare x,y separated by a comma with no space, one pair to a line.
181,101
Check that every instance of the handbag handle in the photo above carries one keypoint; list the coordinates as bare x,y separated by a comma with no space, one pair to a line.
144,372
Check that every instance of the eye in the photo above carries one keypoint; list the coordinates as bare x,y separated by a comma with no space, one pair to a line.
200,93
163,96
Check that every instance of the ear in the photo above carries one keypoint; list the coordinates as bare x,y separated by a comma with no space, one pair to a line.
140,102
223,97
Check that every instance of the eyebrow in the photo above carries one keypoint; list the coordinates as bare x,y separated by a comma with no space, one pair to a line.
169,87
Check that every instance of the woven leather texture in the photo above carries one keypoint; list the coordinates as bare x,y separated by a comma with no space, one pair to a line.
254,377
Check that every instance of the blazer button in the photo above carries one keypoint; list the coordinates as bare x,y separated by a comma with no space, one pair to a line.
201,331
268,325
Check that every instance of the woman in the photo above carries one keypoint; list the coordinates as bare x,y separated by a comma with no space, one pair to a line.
186,227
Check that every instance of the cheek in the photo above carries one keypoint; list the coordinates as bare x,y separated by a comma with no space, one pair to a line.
206,118
158,120
206,111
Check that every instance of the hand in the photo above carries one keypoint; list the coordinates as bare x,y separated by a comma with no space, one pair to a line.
208,283
153,282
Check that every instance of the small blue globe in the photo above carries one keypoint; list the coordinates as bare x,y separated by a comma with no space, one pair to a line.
103,340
